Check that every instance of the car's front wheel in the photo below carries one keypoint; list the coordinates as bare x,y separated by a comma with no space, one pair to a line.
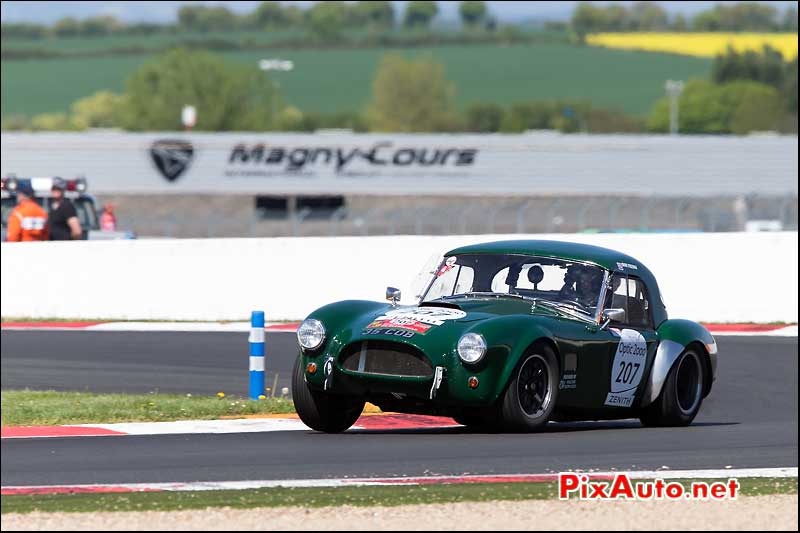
320,411
682,395
531,396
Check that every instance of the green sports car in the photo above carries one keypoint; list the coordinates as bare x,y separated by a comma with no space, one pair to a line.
509,335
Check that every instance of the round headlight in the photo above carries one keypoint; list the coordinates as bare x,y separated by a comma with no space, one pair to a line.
471,347
310,334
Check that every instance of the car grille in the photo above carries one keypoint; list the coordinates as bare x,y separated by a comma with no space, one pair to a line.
386,358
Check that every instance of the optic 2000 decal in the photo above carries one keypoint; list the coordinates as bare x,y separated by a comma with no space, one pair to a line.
628,367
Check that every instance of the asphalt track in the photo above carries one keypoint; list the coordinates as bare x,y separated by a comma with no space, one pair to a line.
749,420
138,362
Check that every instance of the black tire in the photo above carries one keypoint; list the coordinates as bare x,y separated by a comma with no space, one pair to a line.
682,394
531,395
321,411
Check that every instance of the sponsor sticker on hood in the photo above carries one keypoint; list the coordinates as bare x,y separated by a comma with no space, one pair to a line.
434,316
415,319
403,323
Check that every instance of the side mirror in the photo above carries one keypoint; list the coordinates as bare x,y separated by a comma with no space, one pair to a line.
612,315
393,295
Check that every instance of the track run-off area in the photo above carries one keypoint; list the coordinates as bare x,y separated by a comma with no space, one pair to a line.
748,421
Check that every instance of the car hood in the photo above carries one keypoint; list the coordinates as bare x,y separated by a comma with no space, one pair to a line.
439,323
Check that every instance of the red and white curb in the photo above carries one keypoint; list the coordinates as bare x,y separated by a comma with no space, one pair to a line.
377,422
715,329
395,481
768,330
240,327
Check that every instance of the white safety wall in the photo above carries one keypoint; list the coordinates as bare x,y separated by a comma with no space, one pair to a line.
719,277
408,164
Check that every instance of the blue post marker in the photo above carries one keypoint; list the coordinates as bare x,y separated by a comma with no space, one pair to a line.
256,354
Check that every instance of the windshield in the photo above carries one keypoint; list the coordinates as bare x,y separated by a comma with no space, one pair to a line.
561,283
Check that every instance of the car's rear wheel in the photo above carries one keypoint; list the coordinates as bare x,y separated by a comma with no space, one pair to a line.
682,395
531,396
321,411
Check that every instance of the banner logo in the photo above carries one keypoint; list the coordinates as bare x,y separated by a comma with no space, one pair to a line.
171,157
262,157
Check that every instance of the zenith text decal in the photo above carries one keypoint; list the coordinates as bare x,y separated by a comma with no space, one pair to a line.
628,367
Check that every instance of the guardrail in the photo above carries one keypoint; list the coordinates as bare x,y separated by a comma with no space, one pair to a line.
720,277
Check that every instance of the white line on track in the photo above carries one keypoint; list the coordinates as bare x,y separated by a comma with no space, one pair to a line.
786,472
248,425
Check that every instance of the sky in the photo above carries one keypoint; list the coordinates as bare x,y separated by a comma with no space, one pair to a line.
165,11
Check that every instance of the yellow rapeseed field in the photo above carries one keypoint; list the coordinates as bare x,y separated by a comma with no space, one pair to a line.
697,44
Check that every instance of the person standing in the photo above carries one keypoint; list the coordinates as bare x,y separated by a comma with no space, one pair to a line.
63,218
28,221
108,221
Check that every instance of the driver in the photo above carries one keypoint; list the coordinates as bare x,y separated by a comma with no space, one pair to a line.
587,282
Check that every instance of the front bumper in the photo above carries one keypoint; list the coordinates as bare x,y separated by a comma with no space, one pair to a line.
447,386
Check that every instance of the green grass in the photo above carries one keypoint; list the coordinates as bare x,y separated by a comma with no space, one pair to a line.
324,497
340,80
39,408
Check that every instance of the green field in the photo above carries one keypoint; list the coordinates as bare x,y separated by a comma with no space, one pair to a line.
340,79
249,38
89,44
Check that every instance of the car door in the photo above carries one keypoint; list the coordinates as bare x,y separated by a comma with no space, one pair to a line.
632,342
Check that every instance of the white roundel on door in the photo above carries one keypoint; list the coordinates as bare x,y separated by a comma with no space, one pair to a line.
628,367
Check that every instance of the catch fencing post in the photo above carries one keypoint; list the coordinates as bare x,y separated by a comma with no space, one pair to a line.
256,354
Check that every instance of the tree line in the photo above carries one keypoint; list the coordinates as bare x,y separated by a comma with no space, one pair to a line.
328,20
650,16
407,96
748,91
323,19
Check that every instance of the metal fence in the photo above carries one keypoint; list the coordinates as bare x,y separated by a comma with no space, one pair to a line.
436,216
